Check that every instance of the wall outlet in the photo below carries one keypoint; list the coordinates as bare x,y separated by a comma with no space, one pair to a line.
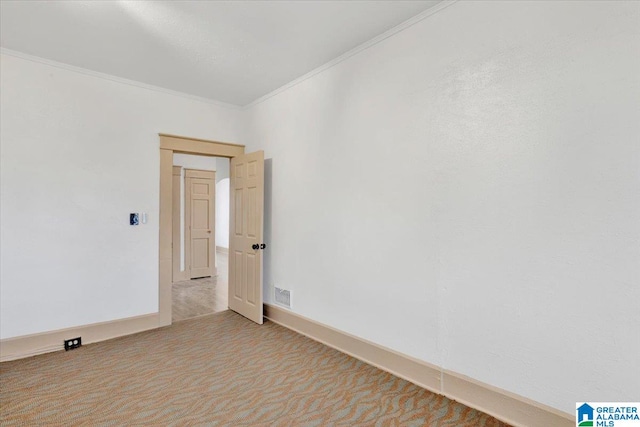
72,343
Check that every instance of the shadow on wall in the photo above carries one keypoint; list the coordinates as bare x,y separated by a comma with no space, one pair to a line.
266,255
222,213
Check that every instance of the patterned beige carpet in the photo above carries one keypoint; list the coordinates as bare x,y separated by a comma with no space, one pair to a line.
216,370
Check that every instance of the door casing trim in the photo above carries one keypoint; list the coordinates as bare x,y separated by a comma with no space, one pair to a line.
170,144
177,275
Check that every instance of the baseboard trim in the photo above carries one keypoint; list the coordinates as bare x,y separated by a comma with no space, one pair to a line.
222,249
406,367
46,342
501,404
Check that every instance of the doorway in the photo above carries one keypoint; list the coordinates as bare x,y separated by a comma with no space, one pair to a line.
170,144
245,223
200,230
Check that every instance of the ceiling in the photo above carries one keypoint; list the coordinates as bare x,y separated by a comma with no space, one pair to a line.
229,51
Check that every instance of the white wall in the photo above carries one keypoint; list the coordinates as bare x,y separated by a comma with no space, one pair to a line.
190,161
222,202
78,153
222,165
222,213
502,239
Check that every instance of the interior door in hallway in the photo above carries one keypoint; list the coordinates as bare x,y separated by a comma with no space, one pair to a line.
245,235
200,247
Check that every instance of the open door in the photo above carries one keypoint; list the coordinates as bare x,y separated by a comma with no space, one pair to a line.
245,235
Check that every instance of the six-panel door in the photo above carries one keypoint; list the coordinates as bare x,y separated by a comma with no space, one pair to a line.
245,232
200,249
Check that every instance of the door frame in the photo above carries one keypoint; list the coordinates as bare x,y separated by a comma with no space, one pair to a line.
176,274
170,144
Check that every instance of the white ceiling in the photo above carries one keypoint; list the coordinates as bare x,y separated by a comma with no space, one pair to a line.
229,51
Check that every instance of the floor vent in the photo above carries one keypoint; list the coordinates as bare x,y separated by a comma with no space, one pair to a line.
283,297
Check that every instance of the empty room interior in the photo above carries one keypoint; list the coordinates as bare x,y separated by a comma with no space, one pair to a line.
320,213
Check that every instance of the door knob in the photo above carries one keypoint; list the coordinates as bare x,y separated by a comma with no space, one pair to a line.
255,247
262,246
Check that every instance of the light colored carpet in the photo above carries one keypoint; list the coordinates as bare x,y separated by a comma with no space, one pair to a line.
216,370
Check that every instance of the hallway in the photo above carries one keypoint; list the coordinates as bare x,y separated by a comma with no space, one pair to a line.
197,297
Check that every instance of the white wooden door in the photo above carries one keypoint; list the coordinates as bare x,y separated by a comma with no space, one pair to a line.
200,247
245,235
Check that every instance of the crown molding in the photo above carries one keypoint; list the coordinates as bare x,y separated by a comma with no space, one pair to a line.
116,79
364,46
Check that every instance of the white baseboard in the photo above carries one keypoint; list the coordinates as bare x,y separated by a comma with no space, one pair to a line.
503,405
46,342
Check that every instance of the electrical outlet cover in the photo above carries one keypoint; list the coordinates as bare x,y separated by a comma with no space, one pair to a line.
72,343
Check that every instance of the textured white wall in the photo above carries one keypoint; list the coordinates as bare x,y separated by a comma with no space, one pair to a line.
78,153
502,239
